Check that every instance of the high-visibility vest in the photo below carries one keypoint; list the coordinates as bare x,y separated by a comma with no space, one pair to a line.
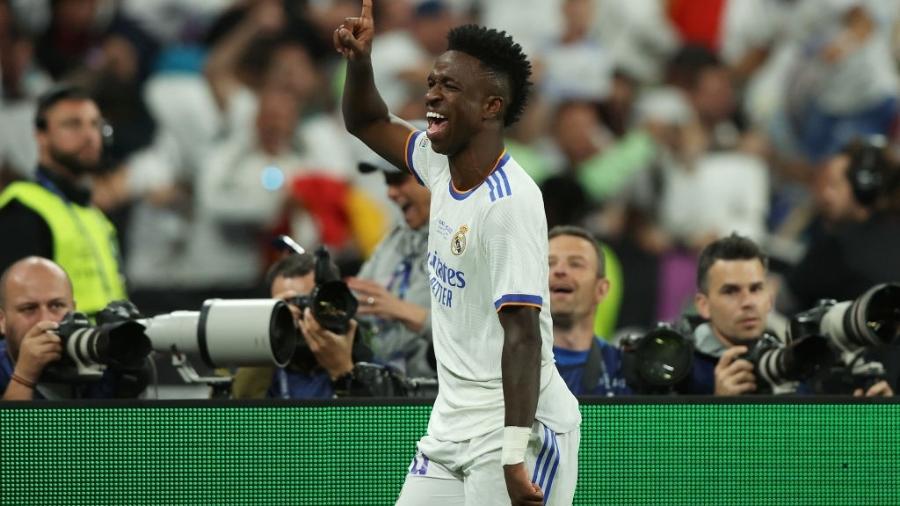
84,244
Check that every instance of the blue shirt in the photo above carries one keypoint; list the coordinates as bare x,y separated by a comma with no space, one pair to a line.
299,385
105,388
571,365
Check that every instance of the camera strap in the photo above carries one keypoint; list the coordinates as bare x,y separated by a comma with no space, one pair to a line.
594,368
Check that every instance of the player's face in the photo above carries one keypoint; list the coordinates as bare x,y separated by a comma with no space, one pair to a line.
455,101
72,137
413,199
35,295
575,289
737,300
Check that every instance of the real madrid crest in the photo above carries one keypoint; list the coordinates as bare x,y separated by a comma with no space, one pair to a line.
458,241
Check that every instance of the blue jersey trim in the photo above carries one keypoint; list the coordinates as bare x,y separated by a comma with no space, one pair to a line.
501,161
519,298
410,148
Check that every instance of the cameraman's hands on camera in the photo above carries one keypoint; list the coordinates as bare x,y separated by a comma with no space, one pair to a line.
376,300
880,389
734,376
40,346
334,352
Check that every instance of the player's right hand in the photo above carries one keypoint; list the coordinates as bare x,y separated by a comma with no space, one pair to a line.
520,488
734,376
353,39
39,347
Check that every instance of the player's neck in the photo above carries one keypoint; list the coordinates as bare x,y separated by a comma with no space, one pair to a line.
471,165
577,336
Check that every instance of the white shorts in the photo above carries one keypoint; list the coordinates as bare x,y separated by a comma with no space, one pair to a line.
469,473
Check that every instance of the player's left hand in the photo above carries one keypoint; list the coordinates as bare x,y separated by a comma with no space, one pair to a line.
880,389
520,488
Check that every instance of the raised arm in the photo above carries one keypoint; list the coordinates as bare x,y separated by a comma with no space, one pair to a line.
365,113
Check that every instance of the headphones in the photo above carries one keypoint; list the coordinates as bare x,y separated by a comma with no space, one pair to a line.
868,169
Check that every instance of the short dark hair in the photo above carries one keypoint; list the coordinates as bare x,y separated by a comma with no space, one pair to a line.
291,266
733,247
55,95
583,233
500,54
295,266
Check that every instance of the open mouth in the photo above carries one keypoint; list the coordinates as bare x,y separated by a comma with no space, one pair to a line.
437,123
561,289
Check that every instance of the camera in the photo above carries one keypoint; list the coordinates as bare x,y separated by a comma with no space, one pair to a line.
655,362
873,319
117,341
799,360
331,301
852,328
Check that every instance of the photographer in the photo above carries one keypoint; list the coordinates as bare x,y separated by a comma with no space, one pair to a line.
578,284
734,299
393,286
859,201
323,367
35,295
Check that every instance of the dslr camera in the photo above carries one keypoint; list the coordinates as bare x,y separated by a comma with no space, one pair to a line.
851,328
117,341
330,301
776,363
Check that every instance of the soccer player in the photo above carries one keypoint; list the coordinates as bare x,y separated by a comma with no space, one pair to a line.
504,426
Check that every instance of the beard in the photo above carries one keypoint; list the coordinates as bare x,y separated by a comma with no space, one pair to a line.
564,321
73,163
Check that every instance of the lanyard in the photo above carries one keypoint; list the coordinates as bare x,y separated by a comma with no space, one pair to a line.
402,274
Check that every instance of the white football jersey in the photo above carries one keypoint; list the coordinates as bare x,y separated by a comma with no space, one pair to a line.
487,247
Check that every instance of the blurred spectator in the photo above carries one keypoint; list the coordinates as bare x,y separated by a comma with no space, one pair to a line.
53,217
22,83
580,136
576,65
578,285
402,58
860,202
638,36
393,285
846,83
35,295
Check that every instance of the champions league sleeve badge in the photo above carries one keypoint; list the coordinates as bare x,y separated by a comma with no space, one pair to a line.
458,241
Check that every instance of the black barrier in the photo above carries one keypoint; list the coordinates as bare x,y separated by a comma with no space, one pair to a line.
758,450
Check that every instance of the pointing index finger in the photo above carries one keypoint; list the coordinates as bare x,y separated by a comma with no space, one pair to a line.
366,9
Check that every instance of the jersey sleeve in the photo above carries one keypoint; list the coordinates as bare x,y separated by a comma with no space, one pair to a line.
515,243
418,154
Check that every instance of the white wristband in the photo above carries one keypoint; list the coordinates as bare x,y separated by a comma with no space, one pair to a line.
515,440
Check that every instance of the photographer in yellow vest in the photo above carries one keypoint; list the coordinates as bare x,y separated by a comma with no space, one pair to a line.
52,215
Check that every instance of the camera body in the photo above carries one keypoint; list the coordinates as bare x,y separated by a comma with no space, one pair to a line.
331,303
851,328
776,363
117,341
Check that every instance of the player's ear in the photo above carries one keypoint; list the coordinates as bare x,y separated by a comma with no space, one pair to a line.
493,107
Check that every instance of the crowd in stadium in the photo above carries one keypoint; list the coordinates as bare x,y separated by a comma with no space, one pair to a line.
658,127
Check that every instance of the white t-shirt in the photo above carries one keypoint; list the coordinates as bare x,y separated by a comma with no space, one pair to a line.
487,248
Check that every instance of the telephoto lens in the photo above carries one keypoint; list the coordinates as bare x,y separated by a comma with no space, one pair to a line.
871,320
